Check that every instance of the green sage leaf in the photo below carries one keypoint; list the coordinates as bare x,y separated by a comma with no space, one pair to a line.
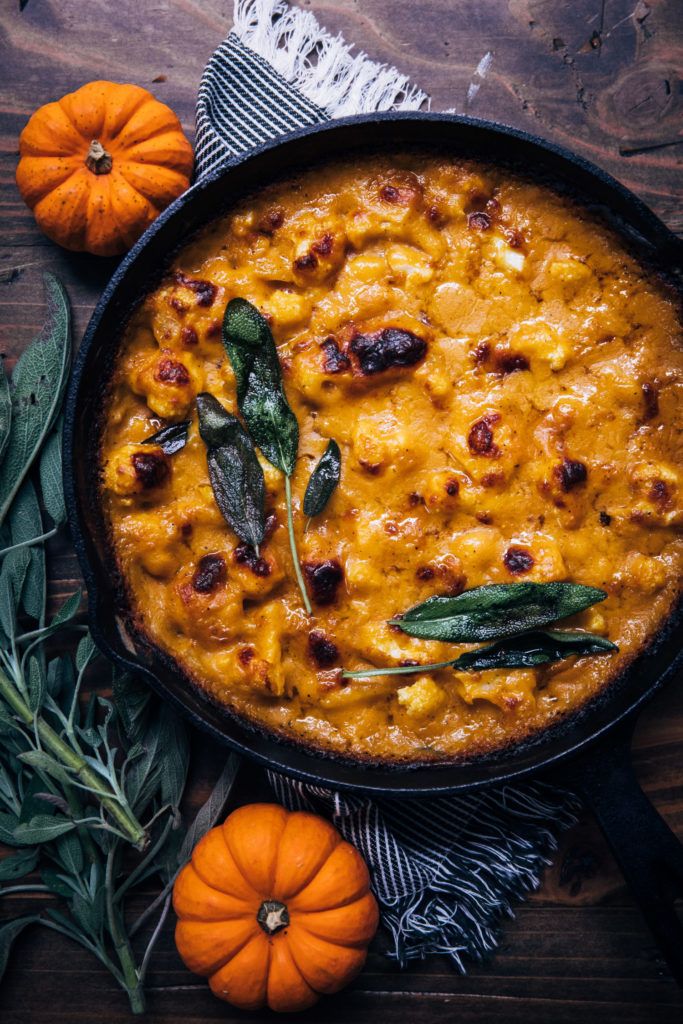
144,774
51,476
67,611
537,648
131,701
176,747
234,470
260,392
85,652
26,523
38,384
5,410
44,762
496,611
18,864
41,829
209,813
323,481
170,439
36,683
8,825
12,576
87,913
70,852
60,885
9,931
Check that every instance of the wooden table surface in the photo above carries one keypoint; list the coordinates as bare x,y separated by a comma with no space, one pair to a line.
604,77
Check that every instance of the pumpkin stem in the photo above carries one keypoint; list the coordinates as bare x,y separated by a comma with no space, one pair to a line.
97,159
273,916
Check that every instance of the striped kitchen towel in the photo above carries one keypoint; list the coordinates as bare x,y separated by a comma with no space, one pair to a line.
445,870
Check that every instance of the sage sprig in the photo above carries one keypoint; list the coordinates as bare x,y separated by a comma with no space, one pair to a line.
84,785
323,480
511,614
524,651
234,470
495,611
262,401
170,439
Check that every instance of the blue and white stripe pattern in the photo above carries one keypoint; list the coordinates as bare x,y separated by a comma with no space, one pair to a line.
444,870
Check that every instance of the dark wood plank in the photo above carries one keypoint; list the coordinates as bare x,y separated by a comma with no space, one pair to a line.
601,76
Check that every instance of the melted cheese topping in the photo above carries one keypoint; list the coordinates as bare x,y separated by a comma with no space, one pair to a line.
502,380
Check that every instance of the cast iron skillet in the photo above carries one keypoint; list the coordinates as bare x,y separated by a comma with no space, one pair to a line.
590,751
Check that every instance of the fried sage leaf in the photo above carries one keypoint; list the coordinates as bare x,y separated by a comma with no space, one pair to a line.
170,439
234,470
496,611
536,648
260,393
523,651
324,479
38,384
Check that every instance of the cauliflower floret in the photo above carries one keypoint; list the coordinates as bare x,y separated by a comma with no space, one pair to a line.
286,307
507,690
409,265
505,257
541,342
642,572
421,699
571,271
381,440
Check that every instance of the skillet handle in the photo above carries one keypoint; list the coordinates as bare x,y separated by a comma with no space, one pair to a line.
647,851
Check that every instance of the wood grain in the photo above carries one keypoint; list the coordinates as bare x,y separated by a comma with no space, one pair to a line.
604,77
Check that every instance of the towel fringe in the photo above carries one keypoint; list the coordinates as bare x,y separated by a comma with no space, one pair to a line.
320,65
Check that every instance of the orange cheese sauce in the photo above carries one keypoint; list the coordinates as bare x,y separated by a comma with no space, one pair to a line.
503,380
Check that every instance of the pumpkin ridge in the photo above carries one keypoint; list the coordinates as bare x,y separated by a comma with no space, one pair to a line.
294,818
230,956
281,946
142,100
338,906
149,190
325,944
258,898
215,985
164,129
268,886
363,924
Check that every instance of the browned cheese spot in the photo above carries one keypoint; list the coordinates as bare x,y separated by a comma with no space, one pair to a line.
571,473
480,437
518,560
323,579
151,468
170,371
323,650
209,574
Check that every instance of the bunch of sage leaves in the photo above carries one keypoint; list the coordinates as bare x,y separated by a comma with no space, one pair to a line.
235,472
82,784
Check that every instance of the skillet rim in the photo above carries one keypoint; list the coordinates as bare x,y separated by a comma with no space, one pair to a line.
305,762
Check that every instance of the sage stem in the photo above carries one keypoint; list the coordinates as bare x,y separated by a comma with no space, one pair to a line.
292,545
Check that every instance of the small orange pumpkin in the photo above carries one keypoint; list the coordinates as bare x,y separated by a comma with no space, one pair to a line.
275,908
99,165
